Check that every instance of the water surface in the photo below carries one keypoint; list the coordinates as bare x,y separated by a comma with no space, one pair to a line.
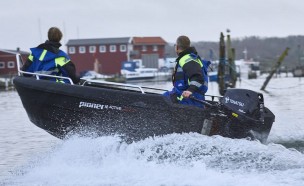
30,156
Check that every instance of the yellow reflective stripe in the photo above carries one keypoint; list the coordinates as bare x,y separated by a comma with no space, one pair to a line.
187,58
31,57
60,61
180,98
184,60
42,55
59,81
199,62
235,115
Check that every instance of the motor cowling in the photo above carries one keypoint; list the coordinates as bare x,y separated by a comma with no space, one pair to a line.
244,104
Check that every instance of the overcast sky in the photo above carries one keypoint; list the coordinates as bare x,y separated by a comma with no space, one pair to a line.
24,23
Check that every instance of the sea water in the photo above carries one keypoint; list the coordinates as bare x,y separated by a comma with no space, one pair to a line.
30,156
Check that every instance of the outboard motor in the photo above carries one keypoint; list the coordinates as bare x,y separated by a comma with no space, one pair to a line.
245,105
246,115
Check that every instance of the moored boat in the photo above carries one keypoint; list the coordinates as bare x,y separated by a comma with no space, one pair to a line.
132,71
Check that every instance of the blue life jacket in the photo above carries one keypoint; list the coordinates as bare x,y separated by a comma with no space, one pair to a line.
46,62
181,81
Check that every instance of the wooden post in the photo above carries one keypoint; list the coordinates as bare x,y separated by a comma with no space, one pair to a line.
231,64
233,72
274,69
6,83
221,66
96,65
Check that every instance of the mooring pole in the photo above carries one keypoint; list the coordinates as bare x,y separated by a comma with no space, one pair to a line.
231,62
274,69
221,66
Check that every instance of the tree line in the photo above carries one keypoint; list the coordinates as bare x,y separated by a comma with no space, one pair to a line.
264,50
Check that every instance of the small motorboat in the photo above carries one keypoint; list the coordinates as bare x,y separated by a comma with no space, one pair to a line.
132,71
135,112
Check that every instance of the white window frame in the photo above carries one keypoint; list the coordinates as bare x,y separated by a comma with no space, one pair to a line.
72,50
82,49
144,48
123,48
92,49
155,48
112,48
2,64
102,49
11,64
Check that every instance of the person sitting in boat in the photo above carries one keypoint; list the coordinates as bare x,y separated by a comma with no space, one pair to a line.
47,58
188,77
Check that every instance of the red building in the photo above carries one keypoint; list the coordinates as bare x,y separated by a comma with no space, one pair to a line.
149,50
8,64
105,55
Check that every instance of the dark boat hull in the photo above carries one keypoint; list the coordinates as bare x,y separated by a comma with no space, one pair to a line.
61,109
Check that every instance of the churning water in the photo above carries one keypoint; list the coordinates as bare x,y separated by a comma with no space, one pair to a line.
30,156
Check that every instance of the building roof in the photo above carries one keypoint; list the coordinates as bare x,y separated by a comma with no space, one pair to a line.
98,41
14,52
148,41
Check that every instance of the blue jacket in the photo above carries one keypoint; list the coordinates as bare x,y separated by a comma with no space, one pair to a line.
47,58
190,74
